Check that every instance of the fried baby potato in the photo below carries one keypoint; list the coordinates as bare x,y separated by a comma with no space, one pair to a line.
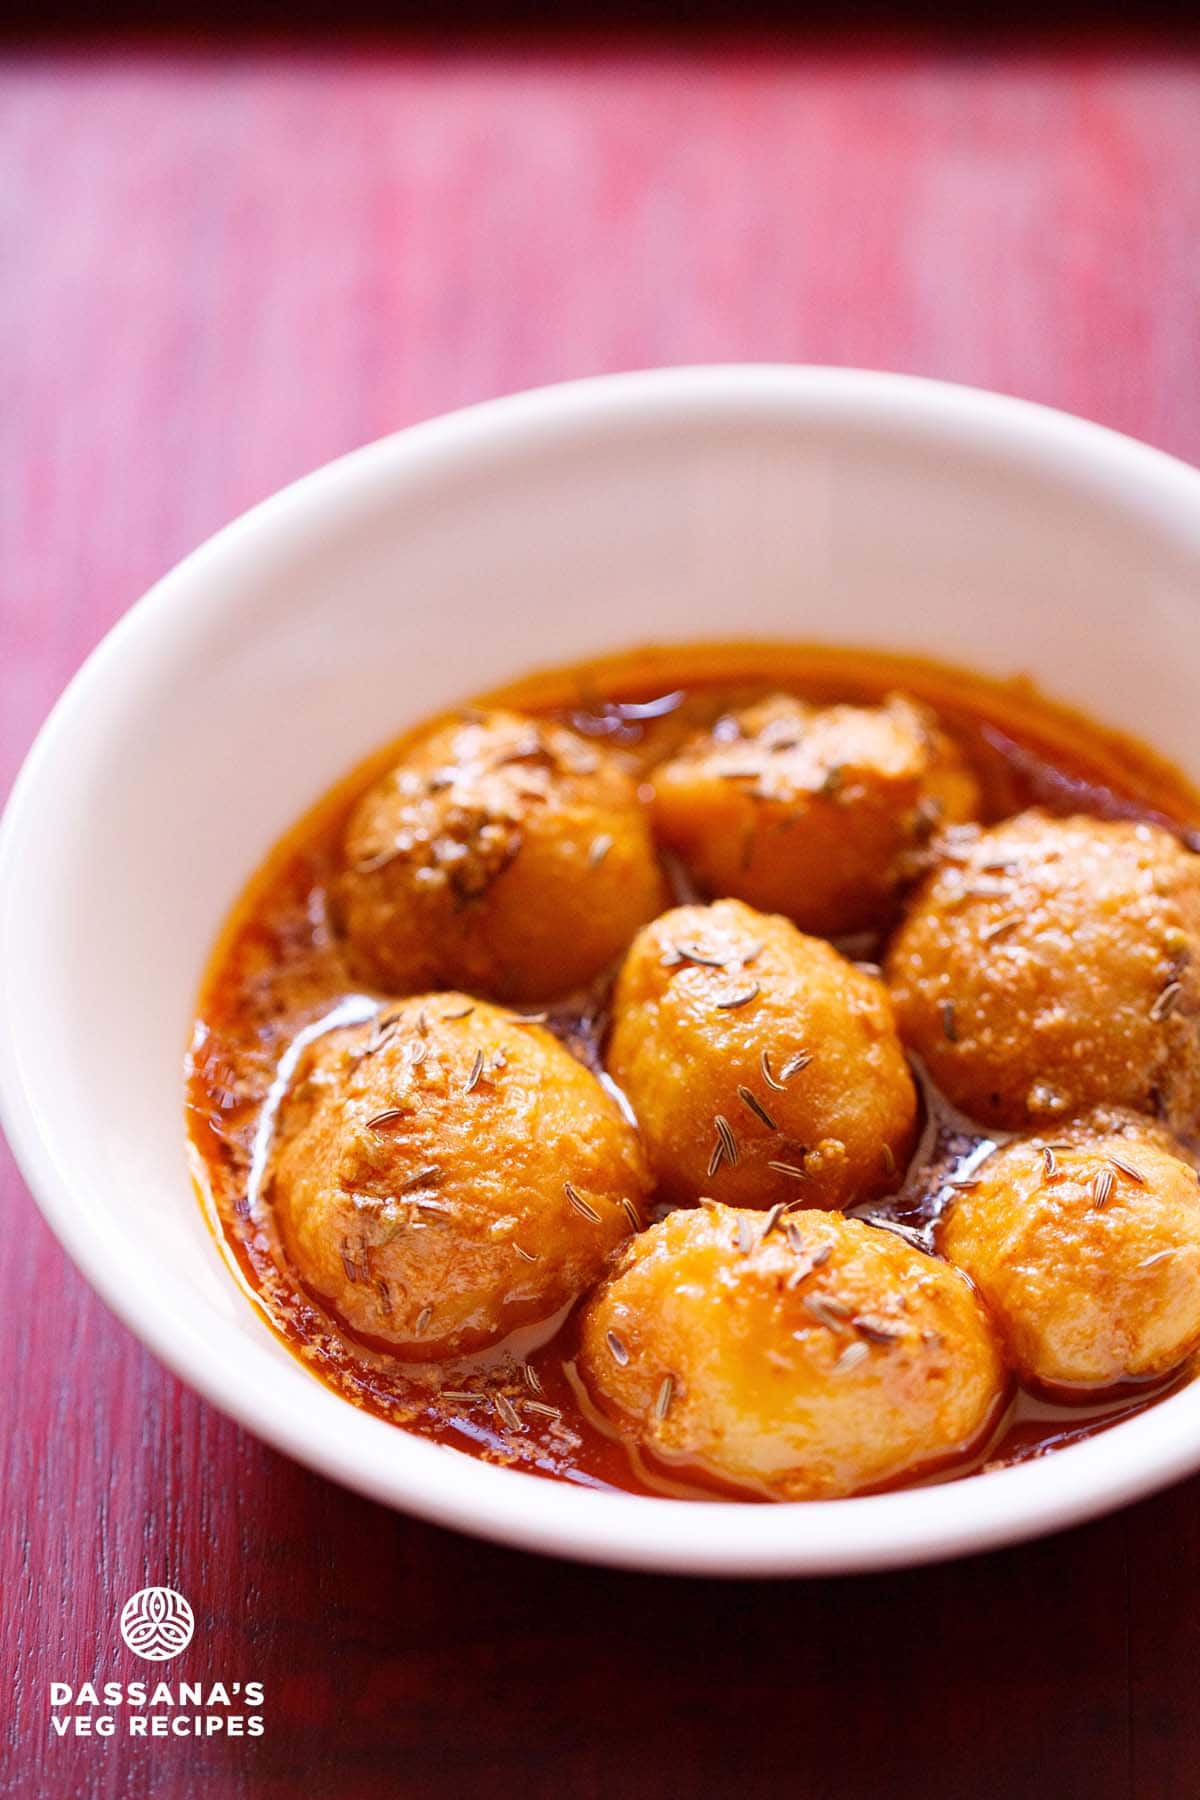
761,1065
1049,965
1086,1246
816,812
447,1174
505,855
801,1358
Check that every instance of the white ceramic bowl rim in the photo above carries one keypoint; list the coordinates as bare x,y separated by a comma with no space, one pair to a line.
899,1528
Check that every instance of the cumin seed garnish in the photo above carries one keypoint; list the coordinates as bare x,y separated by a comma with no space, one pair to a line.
423,1318
963,1185
526,1256
1129,1169
348,1262
666,1393
850,1358
476,1072
738,1000
532,1379
764,1063
908,1232
464,1012
379,860
631,1213
745,1237
1049,1162
829,1313
786,1168
507,1412
771,1220
1103,1182
693,953
423,1178
466,1395
582,1206
542,1409
617,1349
728,1141
714,1162
757,1108
794,1064
385,1118
599,849
875,1330
530,1018
1167,1001
949,1021
998,928
804,1268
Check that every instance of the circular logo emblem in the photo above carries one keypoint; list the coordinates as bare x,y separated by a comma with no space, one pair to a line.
157,1623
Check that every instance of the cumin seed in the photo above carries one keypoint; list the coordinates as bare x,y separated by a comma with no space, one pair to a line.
582,1206
385,1118
739,1000
1103,1182
757,1108
507,1412
1167,1001
729,1143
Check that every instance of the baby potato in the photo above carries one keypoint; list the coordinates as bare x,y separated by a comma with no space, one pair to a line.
504,855
815,812
1086,1246
447,1174
1050,965
800,1358
761,1065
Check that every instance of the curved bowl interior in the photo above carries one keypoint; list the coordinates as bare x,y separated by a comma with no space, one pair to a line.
804,504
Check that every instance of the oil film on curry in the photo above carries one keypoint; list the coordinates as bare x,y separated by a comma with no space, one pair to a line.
752,1072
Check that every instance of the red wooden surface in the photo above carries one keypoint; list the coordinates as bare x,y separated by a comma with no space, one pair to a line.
216,273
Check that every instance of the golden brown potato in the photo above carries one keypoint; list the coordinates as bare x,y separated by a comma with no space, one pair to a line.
1049,965
803,1357
1086,1245
448,1174
762,1066
818,813
505,855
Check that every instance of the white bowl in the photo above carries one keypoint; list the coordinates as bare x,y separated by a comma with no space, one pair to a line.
799,503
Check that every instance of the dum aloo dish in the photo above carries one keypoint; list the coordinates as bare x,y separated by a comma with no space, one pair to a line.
738,1072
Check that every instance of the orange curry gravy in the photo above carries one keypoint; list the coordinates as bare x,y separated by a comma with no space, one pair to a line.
277,974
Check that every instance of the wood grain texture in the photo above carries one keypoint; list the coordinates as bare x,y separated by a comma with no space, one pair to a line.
216,272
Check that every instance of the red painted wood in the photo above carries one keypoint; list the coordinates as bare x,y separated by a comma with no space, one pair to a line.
216,272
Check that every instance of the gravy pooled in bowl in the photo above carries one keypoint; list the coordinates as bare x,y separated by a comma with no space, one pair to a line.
738,1071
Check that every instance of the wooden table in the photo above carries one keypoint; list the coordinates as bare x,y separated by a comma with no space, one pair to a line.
214,274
